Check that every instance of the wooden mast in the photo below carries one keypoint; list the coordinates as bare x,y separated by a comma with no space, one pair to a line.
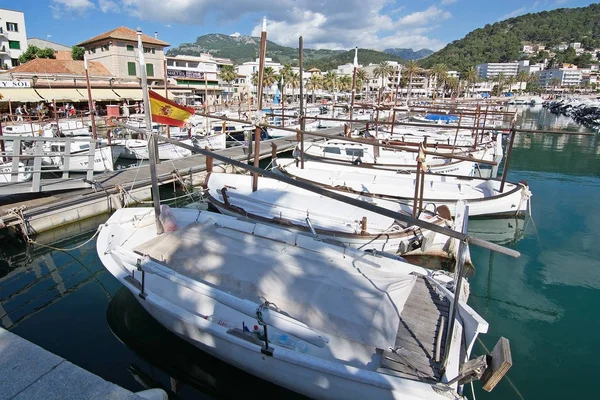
261,70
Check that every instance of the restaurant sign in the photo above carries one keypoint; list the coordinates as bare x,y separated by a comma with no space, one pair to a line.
179,73
15,84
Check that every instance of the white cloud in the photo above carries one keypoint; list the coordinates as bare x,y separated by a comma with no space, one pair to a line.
61,8
446,2
108,6
323,24
236,34
424,17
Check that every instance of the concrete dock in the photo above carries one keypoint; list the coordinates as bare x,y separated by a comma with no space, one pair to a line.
29,372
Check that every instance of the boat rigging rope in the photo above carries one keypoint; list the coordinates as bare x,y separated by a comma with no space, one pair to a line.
31,241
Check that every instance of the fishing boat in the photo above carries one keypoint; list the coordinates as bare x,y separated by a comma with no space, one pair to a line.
78,158
278,203
365,155
482,195
318,318
137,149
23,173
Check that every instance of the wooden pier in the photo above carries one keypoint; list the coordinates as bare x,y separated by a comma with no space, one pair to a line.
109,191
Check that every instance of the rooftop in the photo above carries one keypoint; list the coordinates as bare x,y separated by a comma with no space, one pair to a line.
63,67
124,33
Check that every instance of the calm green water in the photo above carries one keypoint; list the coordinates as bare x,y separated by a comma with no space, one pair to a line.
545,302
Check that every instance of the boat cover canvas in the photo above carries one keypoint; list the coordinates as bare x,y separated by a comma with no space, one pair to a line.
337,292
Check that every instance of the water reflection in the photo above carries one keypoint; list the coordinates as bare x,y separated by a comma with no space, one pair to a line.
160,348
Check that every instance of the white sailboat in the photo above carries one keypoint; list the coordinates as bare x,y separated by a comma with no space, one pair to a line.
6,172
287,206
342,323
137,149
482,195
78,159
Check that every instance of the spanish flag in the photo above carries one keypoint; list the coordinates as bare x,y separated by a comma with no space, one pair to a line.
165,111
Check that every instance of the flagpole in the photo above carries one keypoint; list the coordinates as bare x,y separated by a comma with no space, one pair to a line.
261,70
353,85
166,92
89,92
152,143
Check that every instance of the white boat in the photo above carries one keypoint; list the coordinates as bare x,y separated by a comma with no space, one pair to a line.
482,195
137,149
281,204
321,319
23,175
78,159
358,154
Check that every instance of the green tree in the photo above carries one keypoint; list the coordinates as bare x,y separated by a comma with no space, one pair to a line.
440,72
35,52
228,75
330,81
470,75
77,53
383,70
522,78
410,69
314,82
361,79
294,82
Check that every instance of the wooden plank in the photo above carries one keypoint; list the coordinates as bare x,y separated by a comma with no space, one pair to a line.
500,363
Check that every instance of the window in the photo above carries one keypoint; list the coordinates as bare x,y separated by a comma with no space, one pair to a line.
334,150
106,47
149,70
131,69
153,50
92,50
12,27
14,44
14,62
146,50
129,47
354,152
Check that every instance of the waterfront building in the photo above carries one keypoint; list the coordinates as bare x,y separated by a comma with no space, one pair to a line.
45,44
525,66
566,75
248,68
346,69
13,37
197,78
117,51
491,70
48,80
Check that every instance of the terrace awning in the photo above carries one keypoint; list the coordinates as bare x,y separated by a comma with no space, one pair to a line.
21,95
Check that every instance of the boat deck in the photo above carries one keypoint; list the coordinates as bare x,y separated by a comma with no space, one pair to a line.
414,356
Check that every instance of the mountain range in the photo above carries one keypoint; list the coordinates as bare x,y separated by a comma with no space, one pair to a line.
502,41
245,48
409,54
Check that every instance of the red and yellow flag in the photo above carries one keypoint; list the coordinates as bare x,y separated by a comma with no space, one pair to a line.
165,111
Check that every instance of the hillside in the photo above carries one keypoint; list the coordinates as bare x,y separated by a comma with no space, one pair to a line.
245,48
409,54
502,41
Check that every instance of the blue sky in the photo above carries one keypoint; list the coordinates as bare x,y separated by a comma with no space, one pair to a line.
375,24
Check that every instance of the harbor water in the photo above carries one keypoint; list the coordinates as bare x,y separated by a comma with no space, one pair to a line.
544,302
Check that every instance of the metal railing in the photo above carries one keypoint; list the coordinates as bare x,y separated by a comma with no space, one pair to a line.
28,154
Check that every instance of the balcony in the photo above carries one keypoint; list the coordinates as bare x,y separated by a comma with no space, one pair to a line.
3,50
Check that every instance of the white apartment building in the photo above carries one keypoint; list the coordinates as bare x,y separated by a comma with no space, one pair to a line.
346,69
490,70
250,67
13,37
199,75
524,66
566,76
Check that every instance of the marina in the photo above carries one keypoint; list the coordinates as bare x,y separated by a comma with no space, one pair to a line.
213,235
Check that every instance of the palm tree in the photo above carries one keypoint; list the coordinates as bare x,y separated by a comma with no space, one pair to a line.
440,71
361,78
294,81
383,70
228,74
510,81
522,78
345,82
269,78
330,80
533,78
499,79
411,68
452,84
471,77
555,82
285,74
314,82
